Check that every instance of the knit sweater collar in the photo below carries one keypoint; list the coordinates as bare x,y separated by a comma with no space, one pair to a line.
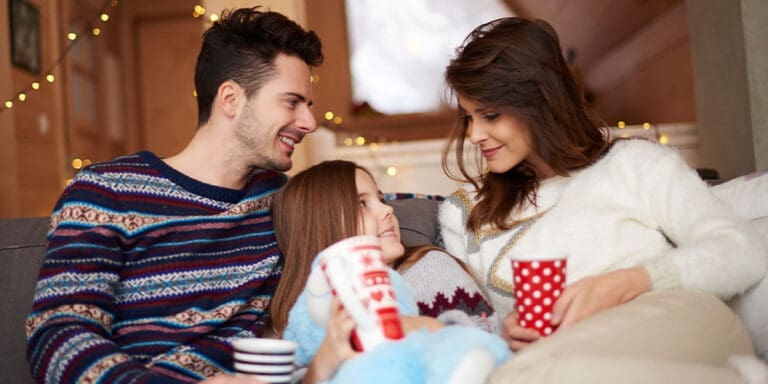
261,180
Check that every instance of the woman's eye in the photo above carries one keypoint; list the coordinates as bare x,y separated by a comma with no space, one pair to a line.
293,102
491,116
363,204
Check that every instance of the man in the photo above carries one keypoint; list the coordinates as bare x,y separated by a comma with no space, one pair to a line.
153,265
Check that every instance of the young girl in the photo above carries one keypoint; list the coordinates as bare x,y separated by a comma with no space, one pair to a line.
337,199
631,215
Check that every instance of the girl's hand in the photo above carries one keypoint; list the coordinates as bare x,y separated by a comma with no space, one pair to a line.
516,336
336,347
595,294
415,323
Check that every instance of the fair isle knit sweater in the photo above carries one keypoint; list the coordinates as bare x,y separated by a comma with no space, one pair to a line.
445,291
148,274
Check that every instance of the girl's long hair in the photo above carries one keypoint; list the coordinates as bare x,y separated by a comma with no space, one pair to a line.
516,66
318,207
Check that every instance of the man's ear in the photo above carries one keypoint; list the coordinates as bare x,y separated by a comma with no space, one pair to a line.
229,98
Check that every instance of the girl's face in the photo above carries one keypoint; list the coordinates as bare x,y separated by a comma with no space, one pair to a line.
377,218
504,140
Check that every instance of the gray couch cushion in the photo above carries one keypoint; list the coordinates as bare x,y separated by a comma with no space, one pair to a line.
22,247
418,221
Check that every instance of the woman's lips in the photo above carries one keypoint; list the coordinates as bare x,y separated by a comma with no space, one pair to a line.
490,152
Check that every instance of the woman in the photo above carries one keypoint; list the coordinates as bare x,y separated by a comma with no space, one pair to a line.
632,216
338,199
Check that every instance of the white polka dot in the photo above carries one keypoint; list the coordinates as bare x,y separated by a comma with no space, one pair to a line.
556,278
515,264
520,308
523,323
547,286
527,301
536,279
525,272
529,316
519,293
535,265
536,294
547,301
539,323
517,279
558,263
547,271
547,330
537,309
556,293
526,287
547,315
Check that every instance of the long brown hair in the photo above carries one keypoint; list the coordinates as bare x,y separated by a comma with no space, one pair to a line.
517,66
318,207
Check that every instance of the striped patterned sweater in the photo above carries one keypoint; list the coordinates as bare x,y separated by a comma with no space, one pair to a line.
149,273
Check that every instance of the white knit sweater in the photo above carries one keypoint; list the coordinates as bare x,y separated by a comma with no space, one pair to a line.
622,211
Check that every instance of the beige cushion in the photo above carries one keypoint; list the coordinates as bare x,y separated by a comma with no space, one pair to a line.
661,337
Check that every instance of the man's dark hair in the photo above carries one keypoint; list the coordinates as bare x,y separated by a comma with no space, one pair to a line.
242,46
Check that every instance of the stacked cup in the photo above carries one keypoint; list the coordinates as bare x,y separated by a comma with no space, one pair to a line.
269,360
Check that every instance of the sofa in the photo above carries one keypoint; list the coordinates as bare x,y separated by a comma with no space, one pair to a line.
22,246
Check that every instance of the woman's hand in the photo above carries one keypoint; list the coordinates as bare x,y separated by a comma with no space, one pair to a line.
595,294
516,336
415,323
336,347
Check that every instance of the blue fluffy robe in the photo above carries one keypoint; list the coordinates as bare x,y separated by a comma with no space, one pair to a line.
421,357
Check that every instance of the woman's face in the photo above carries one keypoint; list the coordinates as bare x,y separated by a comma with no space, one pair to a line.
504,140
377,218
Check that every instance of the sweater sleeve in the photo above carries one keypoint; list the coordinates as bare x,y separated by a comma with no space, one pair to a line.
715,251
69,330
453,221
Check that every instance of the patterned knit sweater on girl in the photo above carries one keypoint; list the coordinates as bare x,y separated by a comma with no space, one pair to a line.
148,274
444,290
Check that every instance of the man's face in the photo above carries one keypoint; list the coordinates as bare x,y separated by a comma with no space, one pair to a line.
276,118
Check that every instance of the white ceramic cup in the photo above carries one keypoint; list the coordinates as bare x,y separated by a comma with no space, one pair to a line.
270,360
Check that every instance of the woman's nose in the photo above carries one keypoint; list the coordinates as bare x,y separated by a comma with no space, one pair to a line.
476,134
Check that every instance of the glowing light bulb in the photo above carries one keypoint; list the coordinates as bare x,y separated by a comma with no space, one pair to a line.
360,140
96,31
348,142
72,36
77,163
663,139
329,115
104,17
50,78
646,126
9,104
621,124
391,171
22,96
214,18
337,120
35,85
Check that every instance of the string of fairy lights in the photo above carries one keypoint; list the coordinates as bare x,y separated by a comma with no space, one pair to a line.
92,29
